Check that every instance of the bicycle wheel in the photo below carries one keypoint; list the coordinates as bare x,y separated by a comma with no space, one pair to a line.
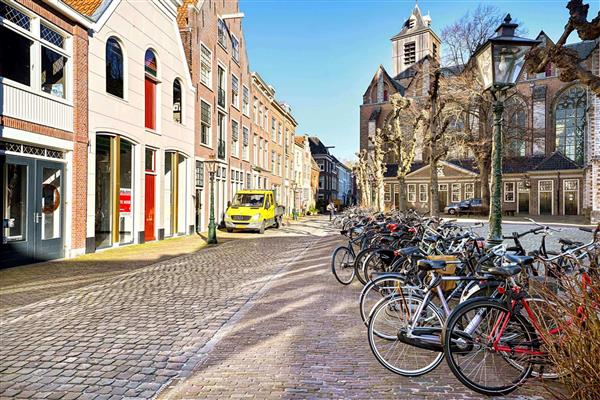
375,290
419,351
359,262
376,263
342,265
477,349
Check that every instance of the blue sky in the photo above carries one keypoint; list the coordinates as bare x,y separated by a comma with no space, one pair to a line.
320,55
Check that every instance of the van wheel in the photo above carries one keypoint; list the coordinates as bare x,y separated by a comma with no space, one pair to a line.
262,228
277,223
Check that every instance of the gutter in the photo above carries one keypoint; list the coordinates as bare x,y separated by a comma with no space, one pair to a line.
69,12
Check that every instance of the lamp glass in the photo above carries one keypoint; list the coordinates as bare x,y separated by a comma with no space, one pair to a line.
485,67
508,62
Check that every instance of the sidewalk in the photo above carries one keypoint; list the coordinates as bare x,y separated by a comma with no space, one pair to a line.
28,284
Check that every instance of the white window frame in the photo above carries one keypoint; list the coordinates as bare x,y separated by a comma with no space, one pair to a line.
421,192
469,194
246,149
235,144
512,191
225,86
209,144
411,193
235,97
35,62
246,106
459,186
545,191
235,53
210,72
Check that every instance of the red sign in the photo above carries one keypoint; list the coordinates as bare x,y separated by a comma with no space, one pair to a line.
125,201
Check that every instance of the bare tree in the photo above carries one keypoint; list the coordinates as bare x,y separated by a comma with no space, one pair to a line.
362,172
566,59
401,128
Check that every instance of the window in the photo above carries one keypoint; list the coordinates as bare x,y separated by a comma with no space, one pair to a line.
205,65
273,130
387,193
246,101
177,101
222,33
455,195
412,193
570,123
279,133
469,190
221,136
245,139
199,174
260,115
509,192
434,51
235,91
410,54
255,110
273,162
255,150
279,165
235,132
516,127
114,68
204,122
235,49
25,49
221,87
151,69
423,193
150,160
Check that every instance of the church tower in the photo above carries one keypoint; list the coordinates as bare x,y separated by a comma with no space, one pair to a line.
415,41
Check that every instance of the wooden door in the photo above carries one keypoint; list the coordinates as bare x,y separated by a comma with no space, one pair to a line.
149,211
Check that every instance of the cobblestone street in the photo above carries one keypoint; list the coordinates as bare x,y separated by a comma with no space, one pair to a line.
260,317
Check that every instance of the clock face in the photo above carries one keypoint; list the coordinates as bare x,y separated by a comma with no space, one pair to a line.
484,61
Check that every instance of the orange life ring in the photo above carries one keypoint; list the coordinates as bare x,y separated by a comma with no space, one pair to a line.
50,208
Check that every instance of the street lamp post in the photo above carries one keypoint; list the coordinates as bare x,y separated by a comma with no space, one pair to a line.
499,62
294,211
211,166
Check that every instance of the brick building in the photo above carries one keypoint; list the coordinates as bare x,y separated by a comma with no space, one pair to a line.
551,167
43,130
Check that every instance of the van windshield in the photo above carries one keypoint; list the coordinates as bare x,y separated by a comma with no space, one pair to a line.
248,200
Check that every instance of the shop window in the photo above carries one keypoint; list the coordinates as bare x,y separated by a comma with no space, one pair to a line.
104,192
114,68
177,105
151,70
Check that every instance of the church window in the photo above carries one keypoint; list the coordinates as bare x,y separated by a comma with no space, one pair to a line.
410,53
570,123
516,127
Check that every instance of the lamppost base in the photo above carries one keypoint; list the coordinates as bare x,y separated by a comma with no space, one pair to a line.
493,242
212,235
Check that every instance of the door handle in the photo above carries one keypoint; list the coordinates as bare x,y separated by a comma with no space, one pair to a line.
38,217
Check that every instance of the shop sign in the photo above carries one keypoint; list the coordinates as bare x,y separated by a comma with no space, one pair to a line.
125,201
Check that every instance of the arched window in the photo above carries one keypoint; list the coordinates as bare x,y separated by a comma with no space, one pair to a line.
570,123
177,101
516,127
151,73
114,68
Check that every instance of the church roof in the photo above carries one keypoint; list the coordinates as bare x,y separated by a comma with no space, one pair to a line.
397,85
584,48
415,23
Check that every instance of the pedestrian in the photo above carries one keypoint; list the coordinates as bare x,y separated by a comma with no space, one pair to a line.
331,209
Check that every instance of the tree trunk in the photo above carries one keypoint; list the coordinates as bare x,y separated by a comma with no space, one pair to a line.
402,194
434,203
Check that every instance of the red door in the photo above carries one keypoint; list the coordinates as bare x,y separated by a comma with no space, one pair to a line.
149,214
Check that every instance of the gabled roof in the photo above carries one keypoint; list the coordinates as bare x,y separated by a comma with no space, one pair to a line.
417,20
556,161
584,48
316,146
386,76
85,7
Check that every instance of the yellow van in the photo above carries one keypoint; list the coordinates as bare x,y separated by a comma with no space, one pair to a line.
253,210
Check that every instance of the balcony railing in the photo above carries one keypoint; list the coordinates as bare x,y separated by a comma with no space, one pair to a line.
221,149
221,99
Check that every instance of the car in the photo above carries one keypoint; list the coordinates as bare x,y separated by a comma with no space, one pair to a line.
253,210
469,206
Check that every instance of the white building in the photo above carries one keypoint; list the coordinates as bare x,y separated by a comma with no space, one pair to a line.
141,126
302,172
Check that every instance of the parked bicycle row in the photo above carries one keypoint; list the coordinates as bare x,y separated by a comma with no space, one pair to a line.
434,289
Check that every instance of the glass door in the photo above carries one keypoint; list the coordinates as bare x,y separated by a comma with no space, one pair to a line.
17,211
48,215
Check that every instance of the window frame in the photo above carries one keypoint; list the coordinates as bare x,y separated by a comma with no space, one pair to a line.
235,95
246,105
424,199
208,84
235,143
507,191
181,101
235,50
411,192
209,133
123,66
453,192
155,81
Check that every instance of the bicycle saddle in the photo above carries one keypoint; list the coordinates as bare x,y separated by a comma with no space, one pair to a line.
407,251
521,260
428,265
504,272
